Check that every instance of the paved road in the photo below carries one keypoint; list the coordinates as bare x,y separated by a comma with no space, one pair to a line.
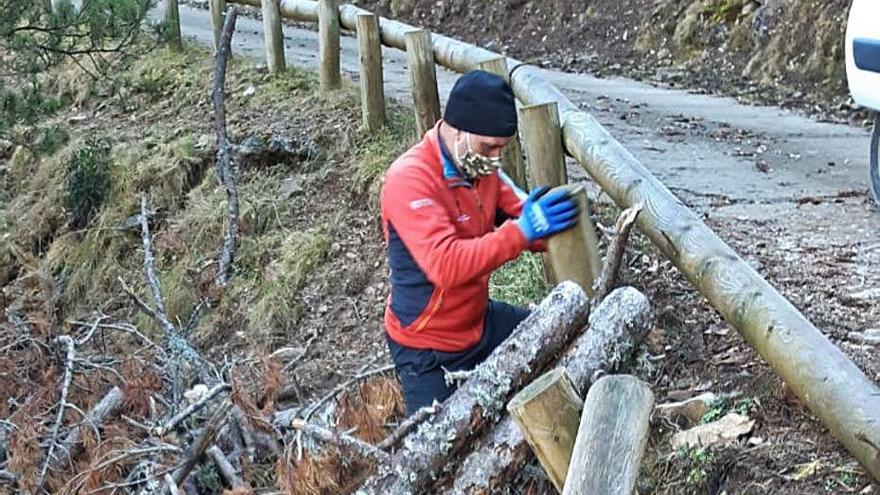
724,159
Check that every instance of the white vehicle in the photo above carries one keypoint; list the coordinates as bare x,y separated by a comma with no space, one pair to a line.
863,71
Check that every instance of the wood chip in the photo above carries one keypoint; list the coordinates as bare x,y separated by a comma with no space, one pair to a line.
721,432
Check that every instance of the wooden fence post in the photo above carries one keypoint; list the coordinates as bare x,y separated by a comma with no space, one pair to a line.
423,77
274,36
328,45
372,85
548,413
514,165
172,25
573,254
217,9
612,437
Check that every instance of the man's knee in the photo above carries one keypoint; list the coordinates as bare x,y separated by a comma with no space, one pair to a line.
422,389
501,320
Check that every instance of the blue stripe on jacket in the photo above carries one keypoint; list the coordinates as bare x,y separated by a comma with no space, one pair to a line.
410,288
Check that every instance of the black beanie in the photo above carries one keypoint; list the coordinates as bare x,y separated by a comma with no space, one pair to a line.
482,103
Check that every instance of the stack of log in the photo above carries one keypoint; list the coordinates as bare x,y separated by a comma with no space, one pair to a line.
471,445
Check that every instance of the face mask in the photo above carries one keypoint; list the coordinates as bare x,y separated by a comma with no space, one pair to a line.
475,165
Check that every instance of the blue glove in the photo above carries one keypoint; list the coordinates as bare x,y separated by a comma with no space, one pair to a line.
546,214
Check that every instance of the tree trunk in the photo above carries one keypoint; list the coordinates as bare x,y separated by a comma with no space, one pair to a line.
618,325
612,438
560,316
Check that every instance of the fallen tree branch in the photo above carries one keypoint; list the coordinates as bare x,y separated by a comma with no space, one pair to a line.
62,405
172,486
615,252
203,442
107,406
407,426
225,468
341,440
7,477
226,170
190,410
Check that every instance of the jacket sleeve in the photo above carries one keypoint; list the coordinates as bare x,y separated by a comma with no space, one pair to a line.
409,203
511,200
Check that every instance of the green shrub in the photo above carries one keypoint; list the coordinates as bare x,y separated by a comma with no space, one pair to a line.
88,181
25,106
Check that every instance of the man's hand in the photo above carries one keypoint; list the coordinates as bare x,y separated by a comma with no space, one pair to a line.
546,214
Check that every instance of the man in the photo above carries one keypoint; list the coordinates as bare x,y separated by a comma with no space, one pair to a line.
440,204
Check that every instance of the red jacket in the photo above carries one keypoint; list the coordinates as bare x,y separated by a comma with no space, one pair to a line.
442,242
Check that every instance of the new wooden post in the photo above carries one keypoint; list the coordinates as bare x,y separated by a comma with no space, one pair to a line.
172,25
217,9
274,37
423,77
328,45
573,254
611,439
514,165
548,412
372,89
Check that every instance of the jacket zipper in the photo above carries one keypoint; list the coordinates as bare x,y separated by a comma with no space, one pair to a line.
434,309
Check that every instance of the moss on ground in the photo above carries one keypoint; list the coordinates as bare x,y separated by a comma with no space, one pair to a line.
157,125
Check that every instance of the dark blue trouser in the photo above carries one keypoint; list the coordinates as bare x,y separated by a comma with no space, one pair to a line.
421,370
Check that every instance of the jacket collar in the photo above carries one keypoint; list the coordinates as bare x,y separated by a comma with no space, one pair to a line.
450,172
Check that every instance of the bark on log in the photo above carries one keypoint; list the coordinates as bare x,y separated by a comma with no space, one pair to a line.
512,155
612,438
818,372
423,79
618,325
535,341
372,84
548,413
274,37
328,45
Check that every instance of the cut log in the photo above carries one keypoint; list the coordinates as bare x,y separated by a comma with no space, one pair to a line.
611,439
536,340
574,254
548,413
618,325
